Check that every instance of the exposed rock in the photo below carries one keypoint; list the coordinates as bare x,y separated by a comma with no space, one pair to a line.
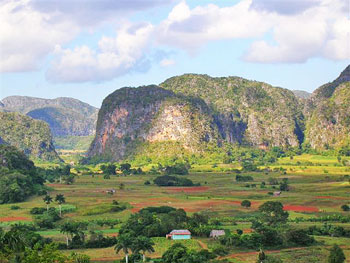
254,113
131,116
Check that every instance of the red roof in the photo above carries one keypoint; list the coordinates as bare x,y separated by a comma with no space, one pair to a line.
180,232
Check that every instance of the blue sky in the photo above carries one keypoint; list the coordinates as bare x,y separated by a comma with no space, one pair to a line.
87,49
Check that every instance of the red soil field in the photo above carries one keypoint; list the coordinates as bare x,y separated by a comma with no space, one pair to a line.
300,208
10,219
194,189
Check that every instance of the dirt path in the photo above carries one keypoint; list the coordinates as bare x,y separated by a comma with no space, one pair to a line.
203,245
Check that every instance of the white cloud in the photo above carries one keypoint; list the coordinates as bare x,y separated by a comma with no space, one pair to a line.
298,38
30,29
297,30
114,57
285,7
281,32
167,62
191,29
92,12
27,37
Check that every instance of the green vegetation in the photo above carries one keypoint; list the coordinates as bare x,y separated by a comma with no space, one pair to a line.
291,224
167,180
65,116
73,142
19,178
31,136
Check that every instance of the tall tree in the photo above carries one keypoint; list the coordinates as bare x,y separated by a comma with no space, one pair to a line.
143,244
60,200
67,229
336,255
272,213
47,199
124,242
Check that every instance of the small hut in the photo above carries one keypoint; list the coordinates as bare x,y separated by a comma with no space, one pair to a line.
216,233
179,234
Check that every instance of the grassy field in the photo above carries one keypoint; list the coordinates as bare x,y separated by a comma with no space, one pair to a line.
318,188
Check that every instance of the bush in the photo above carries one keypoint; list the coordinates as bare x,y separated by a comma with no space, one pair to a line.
345,208
246,203
15,207
37,210
244,178
167,180
336,255
299,237
178,168
221,251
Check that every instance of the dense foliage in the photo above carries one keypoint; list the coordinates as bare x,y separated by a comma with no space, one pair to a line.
167,180
33,137
19,177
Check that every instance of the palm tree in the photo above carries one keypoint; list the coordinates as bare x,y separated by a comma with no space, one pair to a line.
16,242
143,244
47,199
60,200
68,229
124,242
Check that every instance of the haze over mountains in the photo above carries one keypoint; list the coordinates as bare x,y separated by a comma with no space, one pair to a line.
66,116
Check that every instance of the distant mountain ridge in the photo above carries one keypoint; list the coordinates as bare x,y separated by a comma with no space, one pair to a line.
302,94
65,116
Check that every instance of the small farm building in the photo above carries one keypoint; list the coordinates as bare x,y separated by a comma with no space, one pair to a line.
277,193
217,233
179,234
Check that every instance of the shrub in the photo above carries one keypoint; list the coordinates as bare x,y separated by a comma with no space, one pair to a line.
246,203
15,207
345,208
299,237
221,251
336,255
168,180
37,210
244,178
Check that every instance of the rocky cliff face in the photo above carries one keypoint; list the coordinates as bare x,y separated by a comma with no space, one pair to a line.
328,111
131,116
65,116
33,137
253,113
198,111
195,110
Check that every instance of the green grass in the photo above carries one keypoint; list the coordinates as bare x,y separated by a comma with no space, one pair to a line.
221,196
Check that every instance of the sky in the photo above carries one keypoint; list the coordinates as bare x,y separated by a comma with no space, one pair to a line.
86,49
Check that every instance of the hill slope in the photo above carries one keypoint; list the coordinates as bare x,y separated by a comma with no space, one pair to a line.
132,117
252,113
193,113
33,137
66,116
328,124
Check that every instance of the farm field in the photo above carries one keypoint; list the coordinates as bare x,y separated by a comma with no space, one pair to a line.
318,188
